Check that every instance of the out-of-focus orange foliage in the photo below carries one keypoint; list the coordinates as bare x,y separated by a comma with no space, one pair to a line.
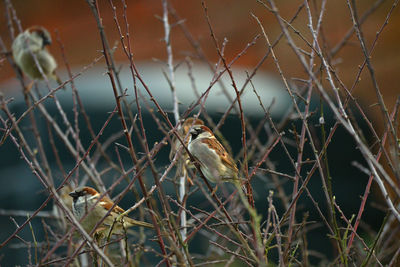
231,19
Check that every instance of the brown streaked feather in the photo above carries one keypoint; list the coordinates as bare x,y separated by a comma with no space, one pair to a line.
215,145
90,191
206,129
118,209
107,203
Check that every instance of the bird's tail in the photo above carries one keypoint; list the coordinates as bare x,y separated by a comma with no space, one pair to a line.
241,184
138,223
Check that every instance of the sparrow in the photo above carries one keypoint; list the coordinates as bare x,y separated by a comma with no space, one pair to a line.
176,145
33,41
84,198
215,162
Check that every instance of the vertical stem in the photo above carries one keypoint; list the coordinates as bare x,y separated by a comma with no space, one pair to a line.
170,63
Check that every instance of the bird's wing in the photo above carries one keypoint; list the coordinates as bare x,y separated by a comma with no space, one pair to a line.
107,203
220,150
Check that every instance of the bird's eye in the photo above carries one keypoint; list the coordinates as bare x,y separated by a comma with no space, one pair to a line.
80,193
76,194
45,38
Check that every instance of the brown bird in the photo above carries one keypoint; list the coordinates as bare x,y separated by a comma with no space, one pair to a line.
215,162
84,198
33,41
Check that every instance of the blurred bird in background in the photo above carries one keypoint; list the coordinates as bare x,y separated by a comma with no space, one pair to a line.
29,50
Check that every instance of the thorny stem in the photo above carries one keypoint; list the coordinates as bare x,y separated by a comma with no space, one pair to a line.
94,7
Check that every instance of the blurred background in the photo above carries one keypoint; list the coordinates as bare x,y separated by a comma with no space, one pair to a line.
77,29
73,24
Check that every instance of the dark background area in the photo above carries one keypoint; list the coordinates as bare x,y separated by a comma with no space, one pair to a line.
347,181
